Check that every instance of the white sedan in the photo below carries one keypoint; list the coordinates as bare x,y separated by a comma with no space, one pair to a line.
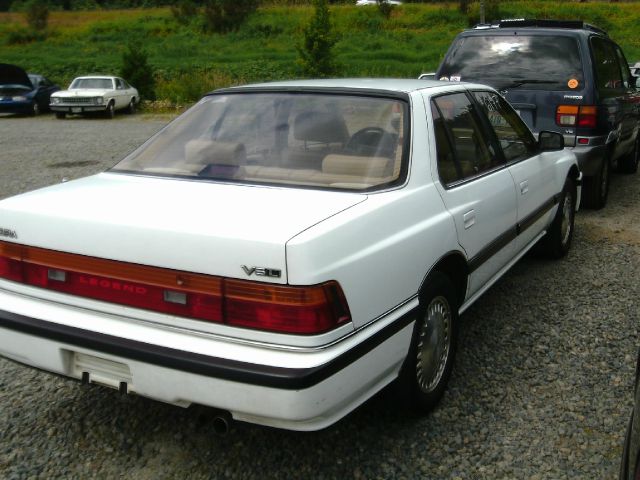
281,252
95,94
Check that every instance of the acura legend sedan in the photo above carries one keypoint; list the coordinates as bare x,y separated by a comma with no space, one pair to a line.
281,252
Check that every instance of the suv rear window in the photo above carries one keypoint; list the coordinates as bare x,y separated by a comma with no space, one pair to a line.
534,62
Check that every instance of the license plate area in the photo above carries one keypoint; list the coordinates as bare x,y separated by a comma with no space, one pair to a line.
105,372
76,109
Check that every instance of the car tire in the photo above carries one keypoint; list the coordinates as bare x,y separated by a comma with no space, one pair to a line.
131,108
61,115
596,188
110,112
629,163
624,463
35,109
557,242
428,365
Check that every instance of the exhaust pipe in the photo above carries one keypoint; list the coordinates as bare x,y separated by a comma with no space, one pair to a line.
222,423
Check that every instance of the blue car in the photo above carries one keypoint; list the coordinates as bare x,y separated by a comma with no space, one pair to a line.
24,93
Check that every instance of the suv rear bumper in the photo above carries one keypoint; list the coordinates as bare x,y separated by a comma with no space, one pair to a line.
589,157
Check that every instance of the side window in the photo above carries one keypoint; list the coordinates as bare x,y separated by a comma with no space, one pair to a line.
516,141
463,151
608,74
119,84
624,67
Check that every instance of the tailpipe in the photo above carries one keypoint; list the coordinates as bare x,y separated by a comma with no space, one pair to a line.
222,423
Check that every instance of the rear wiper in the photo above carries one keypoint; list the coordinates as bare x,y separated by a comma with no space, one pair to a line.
525,81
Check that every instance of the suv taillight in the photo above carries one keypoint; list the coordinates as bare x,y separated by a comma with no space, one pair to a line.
240,303
576,116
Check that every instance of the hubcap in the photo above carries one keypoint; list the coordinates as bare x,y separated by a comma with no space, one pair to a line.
434,343
567,213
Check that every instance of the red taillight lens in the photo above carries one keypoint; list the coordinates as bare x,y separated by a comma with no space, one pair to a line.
576,115
279,308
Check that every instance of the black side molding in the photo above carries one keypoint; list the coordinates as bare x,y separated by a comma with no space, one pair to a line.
235,371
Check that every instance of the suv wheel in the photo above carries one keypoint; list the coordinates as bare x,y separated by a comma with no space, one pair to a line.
629,163
597,187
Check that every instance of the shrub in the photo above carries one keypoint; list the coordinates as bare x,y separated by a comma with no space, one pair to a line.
184,11
385,8
227,15
37,14
136,70
316,54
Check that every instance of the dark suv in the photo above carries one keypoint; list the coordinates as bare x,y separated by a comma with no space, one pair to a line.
566,76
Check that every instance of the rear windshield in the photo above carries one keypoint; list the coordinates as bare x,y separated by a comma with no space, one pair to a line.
531,62
307,139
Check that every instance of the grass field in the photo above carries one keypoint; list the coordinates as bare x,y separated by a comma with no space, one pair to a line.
189,62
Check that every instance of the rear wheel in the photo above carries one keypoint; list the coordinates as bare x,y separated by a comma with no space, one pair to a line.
629,163
557,241
597,187
131,109
428,365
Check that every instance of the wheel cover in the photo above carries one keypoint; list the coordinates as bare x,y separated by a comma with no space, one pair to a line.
567,216
434,344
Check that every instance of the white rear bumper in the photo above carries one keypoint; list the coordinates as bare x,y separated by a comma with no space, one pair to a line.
299,389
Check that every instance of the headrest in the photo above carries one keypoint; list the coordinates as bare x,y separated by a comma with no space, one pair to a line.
314,126
358,166
206,152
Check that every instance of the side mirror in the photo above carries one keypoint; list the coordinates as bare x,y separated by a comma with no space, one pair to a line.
550,141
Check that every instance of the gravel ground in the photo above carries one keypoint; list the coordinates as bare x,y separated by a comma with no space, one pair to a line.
542,387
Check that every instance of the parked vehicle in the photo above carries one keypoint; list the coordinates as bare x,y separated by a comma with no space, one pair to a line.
630,465
24,93
635,69
375,2
567,76
241,258
97,94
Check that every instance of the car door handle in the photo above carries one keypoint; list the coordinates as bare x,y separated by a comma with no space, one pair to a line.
524,187
469,219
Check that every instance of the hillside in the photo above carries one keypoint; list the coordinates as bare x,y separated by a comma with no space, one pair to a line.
189,62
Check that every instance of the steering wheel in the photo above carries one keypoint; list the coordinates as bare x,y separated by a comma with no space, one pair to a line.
369,141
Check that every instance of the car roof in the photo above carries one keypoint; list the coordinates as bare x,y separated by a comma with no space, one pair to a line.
537,25
394,85
106,77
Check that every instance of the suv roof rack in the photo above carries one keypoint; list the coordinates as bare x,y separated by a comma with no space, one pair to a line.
542,23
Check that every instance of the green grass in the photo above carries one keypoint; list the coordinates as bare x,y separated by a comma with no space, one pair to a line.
189,62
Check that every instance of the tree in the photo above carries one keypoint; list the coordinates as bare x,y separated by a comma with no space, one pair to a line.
227,15
37,14
136,70
316,54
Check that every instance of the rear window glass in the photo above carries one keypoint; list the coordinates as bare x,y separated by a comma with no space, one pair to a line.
318,140
531,62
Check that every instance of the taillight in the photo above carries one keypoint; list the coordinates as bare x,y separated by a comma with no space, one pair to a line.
279,308
576,116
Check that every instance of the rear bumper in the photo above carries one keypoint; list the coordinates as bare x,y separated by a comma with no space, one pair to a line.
294,389
590,158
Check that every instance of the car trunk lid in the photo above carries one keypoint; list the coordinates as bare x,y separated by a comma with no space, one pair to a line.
202,227
14,75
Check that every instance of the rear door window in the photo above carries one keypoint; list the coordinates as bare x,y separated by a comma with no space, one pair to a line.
463,152
608,74
534,62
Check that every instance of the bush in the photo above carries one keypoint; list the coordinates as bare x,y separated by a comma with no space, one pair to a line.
385,8
316,54
184,11
227,15
37,14
137,71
